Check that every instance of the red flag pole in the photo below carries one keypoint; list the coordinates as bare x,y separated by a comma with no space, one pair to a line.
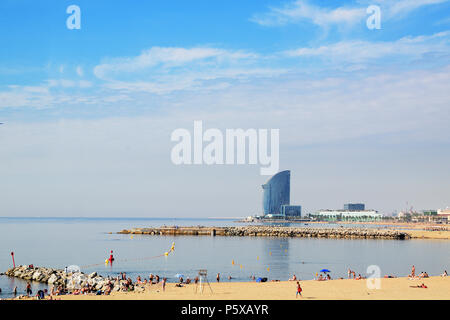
12,255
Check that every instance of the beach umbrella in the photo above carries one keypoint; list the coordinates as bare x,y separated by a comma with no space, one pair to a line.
325,270
179,275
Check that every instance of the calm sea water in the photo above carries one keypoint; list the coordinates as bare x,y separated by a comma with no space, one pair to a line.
61,242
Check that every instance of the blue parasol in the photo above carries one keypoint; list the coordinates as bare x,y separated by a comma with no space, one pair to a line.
325,270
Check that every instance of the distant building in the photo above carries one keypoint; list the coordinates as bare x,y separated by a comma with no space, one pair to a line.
276,197
444,211
289,211
276,193
347,215
354,207
429,212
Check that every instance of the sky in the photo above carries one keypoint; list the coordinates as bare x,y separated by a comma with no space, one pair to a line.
88,113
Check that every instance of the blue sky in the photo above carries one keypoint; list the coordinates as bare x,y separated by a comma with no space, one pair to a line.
88,113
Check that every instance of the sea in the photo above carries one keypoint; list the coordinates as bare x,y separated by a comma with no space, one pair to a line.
87,242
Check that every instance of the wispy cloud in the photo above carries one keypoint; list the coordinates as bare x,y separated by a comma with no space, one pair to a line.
79,71
403,7
166,58
301,10
323,16
163,70
358,51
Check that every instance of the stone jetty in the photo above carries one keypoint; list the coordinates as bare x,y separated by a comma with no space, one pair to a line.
269,231
69,280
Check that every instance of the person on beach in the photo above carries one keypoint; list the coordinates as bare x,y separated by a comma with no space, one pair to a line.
40,295
349,273
413,272
299,290
29,291
164,280
420,286
15,291
151,278
218,277
444,274
294,278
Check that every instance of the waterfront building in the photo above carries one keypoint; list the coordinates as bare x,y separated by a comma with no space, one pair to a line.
290,211
429,212
347,215
354,207
276,198
276,193
444,211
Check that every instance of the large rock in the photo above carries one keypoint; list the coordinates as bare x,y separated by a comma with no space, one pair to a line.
53,279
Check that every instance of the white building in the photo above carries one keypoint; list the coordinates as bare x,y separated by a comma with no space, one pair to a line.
444,211
348,215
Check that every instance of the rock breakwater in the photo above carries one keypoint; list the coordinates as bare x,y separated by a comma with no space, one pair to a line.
70,280
269,231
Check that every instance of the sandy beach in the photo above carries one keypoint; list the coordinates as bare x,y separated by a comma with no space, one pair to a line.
346,289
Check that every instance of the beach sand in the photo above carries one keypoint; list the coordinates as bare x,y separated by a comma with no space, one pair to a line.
424,234
391,289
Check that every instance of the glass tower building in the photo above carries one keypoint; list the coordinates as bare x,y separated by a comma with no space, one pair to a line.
354,206
276,193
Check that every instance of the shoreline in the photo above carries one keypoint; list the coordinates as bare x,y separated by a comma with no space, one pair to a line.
401,288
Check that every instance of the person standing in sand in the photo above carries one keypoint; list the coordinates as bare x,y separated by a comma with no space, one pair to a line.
164,284
218,277
299,290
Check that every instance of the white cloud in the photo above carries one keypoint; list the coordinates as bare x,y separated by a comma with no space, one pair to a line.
167,58
79,71
403,7
67,83
358,51
164,70
302,10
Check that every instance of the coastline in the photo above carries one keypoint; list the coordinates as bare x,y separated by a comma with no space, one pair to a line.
345,289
